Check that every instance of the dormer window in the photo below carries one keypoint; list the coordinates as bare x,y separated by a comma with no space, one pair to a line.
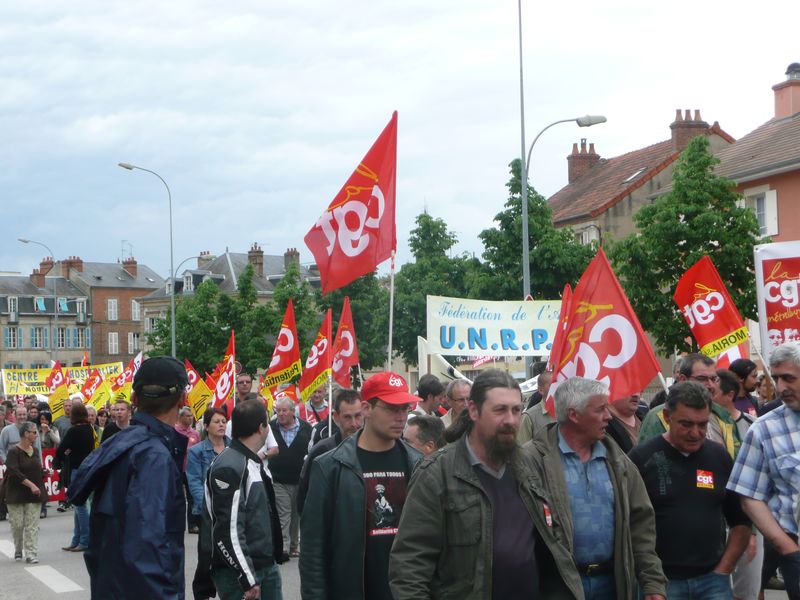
38,304
188,283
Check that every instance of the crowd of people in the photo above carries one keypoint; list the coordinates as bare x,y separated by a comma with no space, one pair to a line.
462,490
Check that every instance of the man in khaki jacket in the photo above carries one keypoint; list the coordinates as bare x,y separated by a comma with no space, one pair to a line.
476,523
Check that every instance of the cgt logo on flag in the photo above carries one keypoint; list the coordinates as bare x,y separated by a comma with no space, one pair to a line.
705,479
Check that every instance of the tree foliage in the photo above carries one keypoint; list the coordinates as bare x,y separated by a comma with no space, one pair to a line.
698,217
433,272
369,304
556,257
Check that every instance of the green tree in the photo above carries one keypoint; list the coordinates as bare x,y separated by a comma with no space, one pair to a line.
306,313
433,272
369,303
555,256
698,217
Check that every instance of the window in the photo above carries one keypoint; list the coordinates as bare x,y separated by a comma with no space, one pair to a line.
188,283
39,337
80,306
149,324
764,204
168,288
113,342
38,304
79,337
133,343
11,337
112,309
13,365
62,305
63,338
13,304
136,310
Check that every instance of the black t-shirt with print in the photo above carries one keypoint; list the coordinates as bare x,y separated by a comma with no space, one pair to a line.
385,481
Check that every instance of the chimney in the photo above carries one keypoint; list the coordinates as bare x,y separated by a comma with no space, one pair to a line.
37,278
255,256
581,162
46,264
685,129
787,93
290,256
204,259
71,262
130,265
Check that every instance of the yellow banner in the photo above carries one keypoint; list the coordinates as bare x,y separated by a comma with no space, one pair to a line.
32,381
101,395
57,399
199,398
123,393
320,380
731,340
286,375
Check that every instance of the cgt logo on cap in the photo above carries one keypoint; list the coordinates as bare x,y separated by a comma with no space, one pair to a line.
396,381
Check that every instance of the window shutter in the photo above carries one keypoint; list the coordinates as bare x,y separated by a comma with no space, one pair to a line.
33,336
88,337
6,338
771,211
45,336
19,337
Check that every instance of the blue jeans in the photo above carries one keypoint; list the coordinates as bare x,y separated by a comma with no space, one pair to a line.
600,587
80,529
711,586
229,588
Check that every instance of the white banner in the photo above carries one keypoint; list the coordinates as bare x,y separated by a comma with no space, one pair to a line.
777,278
489,328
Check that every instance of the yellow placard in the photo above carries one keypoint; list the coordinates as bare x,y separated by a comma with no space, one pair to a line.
733,339
199,398
32,381
56,401
101,395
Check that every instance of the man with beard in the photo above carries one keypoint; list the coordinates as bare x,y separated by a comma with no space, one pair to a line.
598,497
767,472
475,523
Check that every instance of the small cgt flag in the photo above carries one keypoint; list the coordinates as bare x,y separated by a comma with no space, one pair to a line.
357,231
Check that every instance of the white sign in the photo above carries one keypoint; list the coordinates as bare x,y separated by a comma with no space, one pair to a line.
489,328
778,294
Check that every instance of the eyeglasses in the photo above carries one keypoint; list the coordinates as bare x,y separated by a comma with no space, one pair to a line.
242,382
705,378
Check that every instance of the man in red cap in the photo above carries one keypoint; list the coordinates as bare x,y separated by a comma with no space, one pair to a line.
355,498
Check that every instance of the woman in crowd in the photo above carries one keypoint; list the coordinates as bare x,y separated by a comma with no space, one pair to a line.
92,412
77,444
200,457
102,419
24,493
49,438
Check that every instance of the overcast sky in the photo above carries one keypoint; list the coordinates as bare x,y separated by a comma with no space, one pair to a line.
255,112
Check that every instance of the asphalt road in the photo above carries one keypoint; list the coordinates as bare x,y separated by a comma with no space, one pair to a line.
63,575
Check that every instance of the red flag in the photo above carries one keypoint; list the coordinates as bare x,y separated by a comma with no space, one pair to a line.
225,377
56,377
285,365
126,377
318,363
85,359
604,340
708,309
91,384
561,328
357,232
345,350
192,375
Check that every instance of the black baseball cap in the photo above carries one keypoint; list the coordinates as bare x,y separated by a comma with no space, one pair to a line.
163,371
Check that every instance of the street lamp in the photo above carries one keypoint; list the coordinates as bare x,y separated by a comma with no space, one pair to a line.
53,338
131,167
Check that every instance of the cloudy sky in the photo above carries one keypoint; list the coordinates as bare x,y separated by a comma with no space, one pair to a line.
255,112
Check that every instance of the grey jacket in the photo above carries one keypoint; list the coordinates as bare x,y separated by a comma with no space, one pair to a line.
333,525
443,548
635,524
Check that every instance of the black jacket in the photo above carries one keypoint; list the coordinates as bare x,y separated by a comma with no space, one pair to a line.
245,534
325,445
333,525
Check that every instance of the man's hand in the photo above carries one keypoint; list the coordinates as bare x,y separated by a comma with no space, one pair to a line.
254,593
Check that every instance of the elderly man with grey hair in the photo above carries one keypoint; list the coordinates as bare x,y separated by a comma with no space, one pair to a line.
457,393
293,436
767,472
598,495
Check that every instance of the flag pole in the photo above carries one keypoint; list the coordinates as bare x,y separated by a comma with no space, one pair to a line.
766,367
360,376
663,381
330,402
391,314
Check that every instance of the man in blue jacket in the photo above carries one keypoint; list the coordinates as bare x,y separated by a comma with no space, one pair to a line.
137,522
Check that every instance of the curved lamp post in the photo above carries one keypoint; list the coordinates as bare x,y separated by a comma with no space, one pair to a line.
53,338
131,167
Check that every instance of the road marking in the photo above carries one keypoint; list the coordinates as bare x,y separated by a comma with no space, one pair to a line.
7,548
53,579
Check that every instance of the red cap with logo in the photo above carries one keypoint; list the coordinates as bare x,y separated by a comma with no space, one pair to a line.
389,387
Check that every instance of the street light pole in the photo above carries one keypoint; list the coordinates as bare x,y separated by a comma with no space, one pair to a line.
53,338
131,167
